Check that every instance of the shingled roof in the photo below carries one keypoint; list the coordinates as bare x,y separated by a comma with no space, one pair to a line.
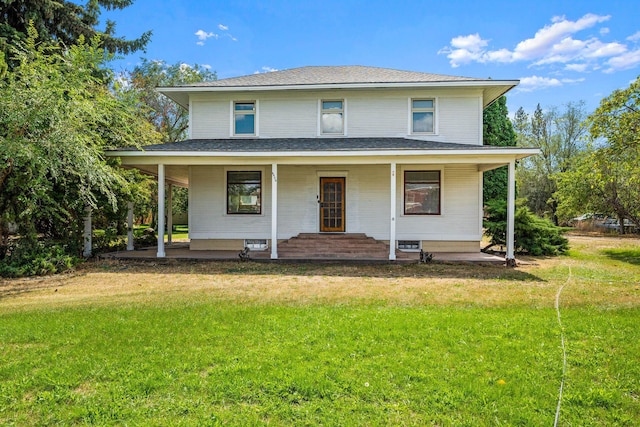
326,75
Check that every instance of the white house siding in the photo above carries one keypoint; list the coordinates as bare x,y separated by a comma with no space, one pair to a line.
367,206
368,113
207,206
460,205
367,199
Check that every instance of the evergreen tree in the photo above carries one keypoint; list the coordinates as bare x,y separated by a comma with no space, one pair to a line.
497,131
64,22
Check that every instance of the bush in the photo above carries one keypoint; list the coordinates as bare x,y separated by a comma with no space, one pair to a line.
533,235
25,257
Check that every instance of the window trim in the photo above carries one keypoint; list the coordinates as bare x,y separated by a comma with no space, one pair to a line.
233,114
434,110
226,190
344,116
404,183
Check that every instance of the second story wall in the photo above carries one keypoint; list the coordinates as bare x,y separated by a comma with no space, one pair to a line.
457,113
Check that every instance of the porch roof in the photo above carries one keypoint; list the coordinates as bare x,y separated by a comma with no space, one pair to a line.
178,156
275,146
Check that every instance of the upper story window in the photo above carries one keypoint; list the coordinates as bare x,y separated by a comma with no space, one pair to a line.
423,113
422,192
332,117
244,118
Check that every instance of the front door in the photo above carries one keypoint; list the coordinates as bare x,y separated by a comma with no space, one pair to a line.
332,204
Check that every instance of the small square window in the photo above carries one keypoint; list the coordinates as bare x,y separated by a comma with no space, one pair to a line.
256,244
409,245
422,116
332,117
244,118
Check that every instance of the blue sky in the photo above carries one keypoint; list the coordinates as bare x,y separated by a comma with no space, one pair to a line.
561,51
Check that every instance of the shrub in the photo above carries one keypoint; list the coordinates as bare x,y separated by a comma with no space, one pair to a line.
26,257
533,235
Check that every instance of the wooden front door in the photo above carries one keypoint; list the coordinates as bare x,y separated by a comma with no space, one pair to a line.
332,204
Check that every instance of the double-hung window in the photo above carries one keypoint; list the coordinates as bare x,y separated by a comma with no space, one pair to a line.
332,117
422,192
244,192
423,112
244,118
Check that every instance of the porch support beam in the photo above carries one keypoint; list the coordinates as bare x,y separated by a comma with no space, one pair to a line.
511,209
129,226
274,211
88,244
392,217
170,214
161,183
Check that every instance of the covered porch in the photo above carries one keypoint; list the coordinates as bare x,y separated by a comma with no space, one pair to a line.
206,162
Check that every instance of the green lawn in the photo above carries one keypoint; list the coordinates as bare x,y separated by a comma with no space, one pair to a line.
256,344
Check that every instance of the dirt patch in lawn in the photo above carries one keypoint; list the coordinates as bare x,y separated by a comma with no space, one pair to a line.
118,282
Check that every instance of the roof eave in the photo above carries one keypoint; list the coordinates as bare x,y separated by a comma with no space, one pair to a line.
518,152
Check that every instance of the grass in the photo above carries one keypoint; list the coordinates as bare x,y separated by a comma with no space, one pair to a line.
255,344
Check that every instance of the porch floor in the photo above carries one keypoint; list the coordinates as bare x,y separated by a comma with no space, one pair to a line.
181,251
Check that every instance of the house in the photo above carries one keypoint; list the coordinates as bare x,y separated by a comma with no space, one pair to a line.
396,156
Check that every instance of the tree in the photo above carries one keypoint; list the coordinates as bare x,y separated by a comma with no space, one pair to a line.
607,179
617,119
64,22
560,137
532,235
169,118
57,116
602,181
497,131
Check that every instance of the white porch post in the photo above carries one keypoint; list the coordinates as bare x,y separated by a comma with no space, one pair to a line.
392,221
511,208
87,233
130,226
170,214
161,253
274,211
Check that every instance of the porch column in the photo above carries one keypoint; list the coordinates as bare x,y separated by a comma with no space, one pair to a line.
170,214
161,253
274,211
392,222
87,233
130,226
511,208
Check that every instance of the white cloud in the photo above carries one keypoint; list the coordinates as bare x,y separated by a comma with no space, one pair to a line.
635,37
206,66
555,43
623,62
203,36
580,68
546,38
223,27
529,84
265,69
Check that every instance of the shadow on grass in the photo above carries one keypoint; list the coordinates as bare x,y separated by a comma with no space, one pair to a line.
631,256
380,270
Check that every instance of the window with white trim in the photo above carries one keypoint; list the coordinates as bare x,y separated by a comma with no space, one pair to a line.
332,117
422,192
244,192
244,118
423,114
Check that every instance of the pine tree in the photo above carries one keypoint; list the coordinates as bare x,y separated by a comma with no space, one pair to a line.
64,21
497,131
